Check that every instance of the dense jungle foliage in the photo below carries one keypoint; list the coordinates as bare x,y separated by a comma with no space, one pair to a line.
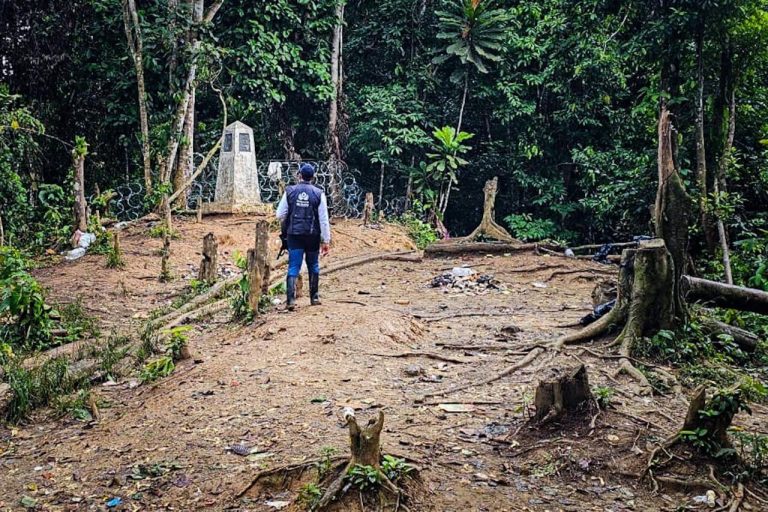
557,98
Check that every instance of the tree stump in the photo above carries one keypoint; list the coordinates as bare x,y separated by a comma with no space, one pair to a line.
258,263
368,209
365,442
261,243
716,426
562,391
209,264
199,211
488,225
254,281
365,450
645,303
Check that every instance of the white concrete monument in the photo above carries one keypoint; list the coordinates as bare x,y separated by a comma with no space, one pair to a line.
237,180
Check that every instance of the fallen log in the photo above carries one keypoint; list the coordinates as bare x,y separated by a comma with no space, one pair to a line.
724,295
746,340
450,248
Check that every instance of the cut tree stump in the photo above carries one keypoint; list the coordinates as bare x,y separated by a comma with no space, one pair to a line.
365,450
645,303
368,209
561,392
257,265
488,225
716,426
209,264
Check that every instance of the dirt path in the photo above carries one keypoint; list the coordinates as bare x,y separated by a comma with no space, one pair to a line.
278,388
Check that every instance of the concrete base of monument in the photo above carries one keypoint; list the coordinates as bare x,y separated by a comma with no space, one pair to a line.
256,209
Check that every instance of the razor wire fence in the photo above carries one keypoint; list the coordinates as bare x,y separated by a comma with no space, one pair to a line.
346,197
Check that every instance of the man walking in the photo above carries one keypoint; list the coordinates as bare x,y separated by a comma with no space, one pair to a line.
303,210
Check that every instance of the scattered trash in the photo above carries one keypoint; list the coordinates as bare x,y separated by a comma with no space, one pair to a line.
81,241
456,407
466,280
278,505
601,256
114,502
276,301
709,498
28,502
598,312
462,272
569,253
539,284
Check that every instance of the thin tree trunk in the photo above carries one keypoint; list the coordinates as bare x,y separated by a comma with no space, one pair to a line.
81,216
463,102
333,138
189,85
381,187
185,165
720,183
458,129
333,145
701,156
136,49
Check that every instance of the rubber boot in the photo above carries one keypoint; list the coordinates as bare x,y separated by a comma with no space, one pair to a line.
290,292
314,289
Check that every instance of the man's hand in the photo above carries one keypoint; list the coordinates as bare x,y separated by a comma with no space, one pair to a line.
325,249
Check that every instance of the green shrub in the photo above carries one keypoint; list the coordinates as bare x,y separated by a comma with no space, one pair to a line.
529,229
364,477
36,387
420,232
24,315
157,369
309,495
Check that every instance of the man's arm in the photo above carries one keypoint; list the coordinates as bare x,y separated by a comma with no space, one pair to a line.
282,208
325,223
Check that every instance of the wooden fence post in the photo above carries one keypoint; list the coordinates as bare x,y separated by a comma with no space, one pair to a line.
208,265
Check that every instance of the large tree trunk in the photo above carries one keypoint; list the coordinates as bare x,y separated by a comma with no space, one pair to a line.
136,49
672,207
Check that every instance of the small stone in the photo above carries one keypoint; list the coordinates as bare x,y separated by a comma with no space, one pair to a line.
413,370
611,438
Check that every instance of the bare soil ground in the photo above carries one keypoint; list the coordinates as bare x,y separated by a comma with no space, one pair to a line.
277,386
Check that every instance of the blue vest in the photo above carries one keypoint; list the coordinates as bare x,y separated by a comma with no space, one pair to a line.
303,204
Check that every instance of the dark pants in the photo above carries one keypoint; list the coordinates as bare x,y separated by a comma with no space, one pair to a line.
299,247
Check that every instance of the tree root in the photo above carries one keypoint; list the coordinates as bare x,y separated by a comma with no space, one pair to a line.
628,368
532,355
290,468
592,331
428,355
